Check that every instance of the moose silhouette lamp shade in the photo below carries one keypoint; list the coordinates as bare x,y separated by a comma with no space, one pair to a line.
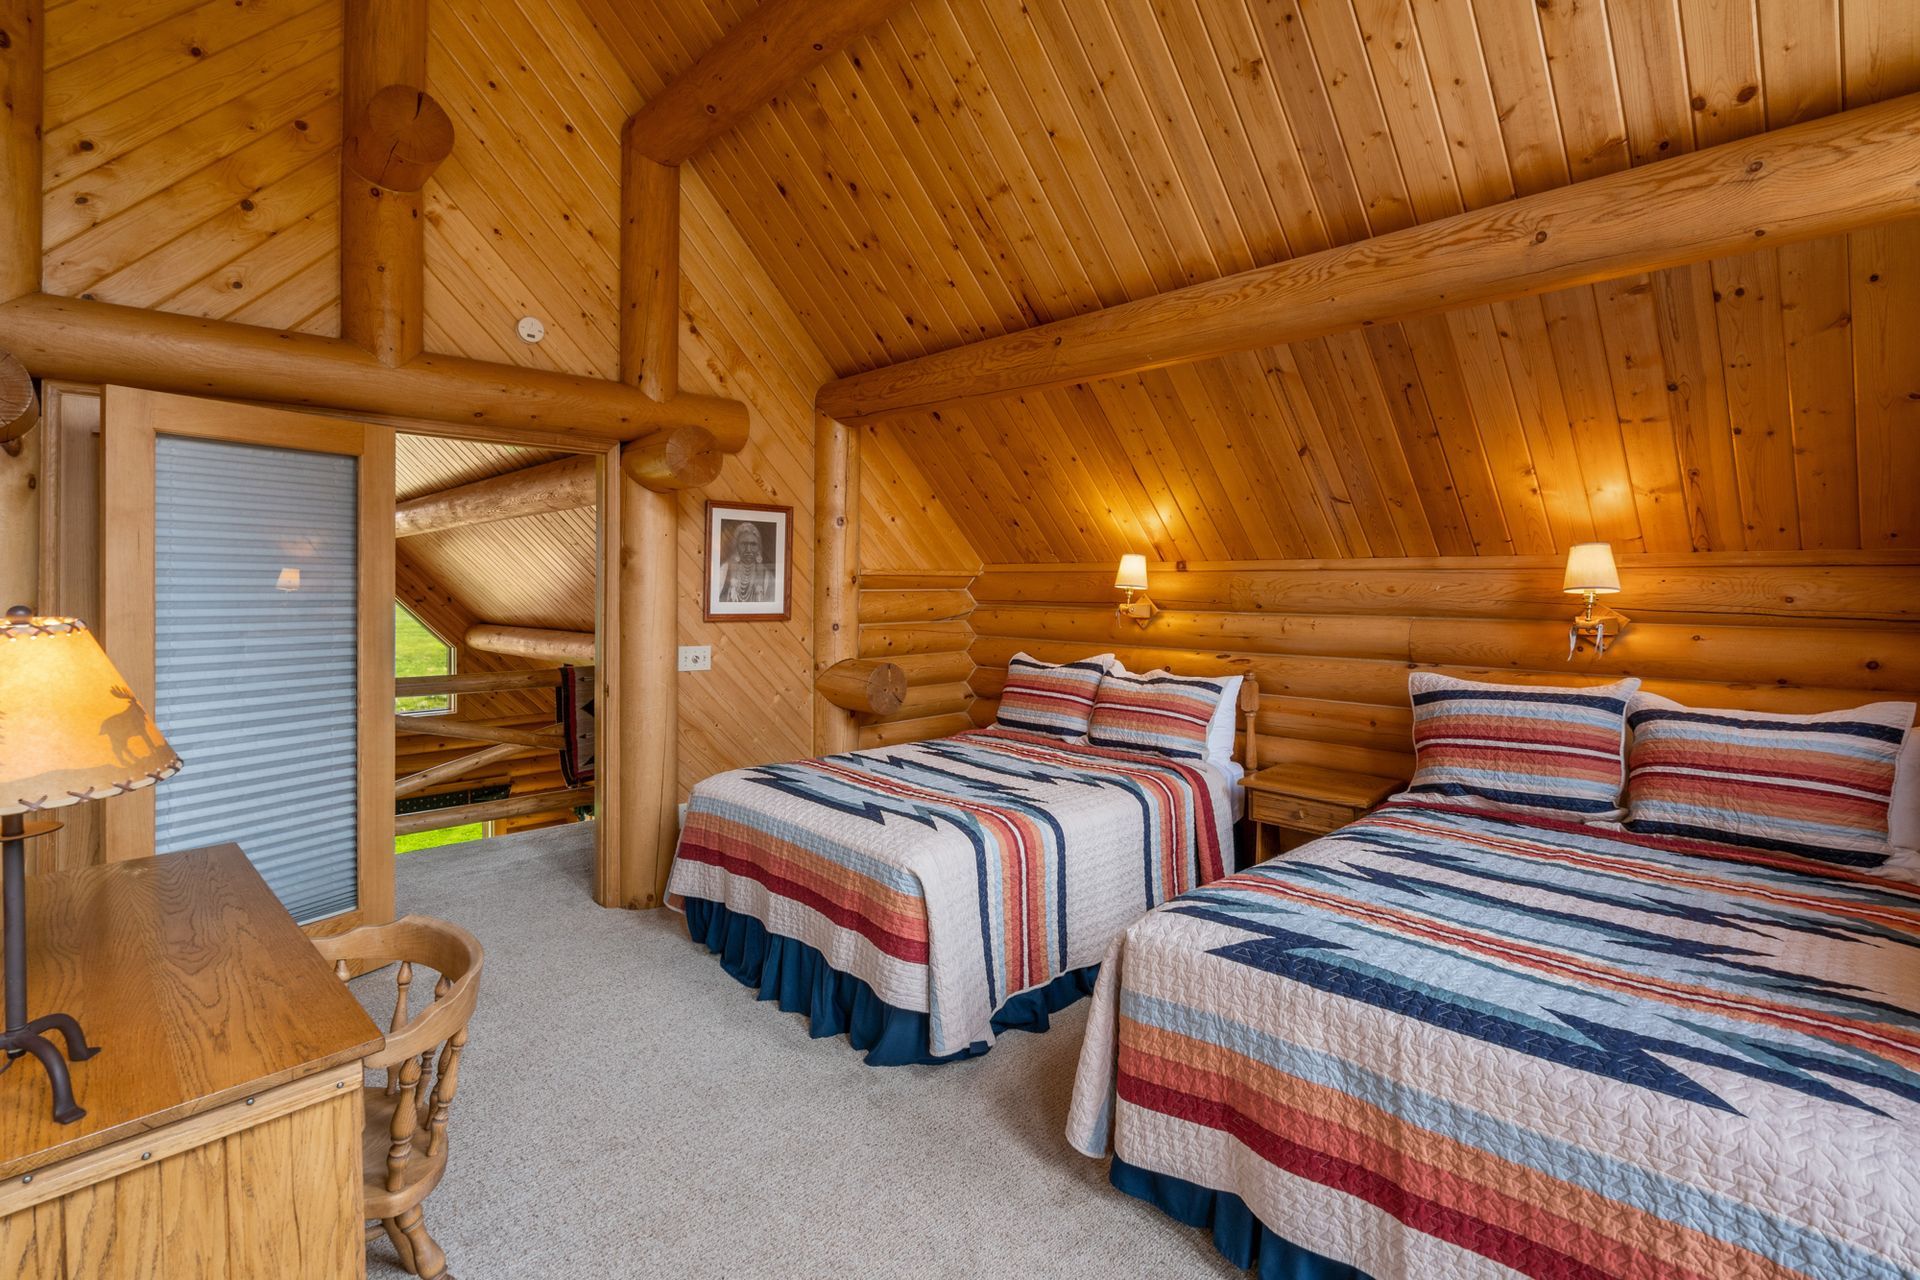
70,730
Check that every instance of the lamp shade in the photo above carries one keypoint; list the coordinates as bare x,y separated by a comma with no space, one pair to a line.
1132,575
1590,568
70,729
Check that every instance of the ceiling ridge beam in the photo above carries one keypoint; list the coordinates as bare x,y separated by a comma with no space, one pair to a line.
1824,177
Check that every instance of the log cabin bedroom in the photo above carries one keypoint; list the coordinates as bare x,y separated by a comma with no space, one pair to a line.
960,637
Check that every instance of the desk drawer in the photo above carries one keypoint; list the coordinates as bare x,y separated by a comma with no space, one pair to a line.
1304,815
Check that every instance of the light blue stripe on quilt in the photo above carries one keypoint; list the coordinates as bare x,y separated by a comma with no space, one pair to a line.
1766,1234
814,842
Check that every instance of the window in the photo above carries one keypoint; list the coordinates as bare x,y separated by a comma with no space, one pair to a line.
419,652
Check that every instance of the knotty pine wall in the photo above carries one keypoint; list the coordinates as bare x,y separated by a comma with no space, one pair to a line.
192,162
1332,642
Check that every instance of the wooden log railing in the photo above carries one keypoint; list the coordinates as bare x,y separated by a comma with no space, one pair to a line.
414,783
478,682
474,731
492,810
506,743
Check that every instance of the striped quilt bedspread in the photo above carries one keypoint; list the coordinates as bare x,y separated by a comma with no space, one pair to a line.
1440,1043
952,875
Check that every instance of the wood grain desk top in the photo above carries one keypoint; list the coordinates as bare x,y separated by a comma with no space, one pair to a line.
194,981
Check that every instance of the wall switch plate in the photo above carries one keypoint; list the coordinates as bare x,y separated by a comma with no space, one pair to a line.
696,657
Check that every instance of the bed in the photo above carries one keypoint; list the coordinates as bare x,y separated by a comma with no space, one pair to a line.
921,899
1442,1042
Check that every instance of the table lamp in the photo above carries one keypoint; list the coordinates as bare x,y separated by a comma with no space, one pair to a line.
70,730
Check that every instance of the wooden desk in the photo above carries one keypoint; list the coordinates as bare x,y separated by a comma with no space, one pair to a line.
1301,802
223,1126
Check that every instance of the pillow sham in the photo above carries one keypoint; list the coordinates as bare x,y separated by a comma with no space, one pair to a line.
1550,750
1157,711
1820,786
1054,698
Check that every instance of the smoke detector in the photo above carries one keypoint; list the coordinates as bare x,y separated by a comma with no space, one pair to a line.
531,330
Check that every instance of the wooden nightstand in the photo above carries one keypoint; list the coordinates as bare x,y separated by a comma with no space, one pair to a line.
1292,803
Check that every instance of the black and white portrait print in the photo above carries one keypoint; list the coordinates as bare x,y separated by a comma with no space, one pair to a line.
747,561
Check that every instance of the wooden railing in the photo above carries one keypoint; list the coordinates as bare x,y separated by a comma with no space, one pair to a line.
501,743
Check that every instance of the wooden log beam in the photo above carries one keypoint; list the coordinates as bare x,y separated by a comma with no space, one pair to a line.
414,783
863,684
22,57
473,731
19,406
1825,177
669,461
407,824
836,576
537,643
478,682
83,341
779,41
565,484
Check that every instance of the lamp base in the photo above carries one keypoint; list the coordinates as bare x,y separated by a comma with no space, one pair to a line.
21,1036
31,1039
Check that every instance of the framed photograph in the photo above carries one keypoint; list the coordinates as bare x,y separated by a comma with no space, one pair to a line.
749,562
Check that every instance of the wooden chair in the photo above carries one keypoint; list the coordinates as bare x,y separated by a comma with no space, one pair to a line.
417,1091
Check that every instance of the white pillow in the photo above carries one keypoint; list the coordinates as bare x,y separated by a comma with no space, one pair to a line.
1226,718
1903,817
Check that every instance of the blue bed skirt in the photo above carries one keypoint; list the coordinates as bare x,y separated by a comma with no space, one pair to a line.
836,1003
1240,1237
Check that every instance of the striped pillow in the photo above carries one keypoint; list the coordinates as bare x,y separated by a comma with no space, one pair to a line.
1814,785
1050,698
1537,749
1158,712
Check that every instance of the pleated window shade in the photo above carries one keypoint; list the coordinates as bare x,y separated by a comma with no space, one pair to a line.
256,661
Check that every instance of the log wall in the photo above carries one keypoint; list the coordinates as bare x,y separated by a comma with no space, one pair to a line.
1332,642
920,621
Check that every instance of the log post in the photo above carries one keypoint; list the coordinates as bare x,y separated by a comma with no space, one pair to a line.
649,713
865,685
394,131
22,50
836,575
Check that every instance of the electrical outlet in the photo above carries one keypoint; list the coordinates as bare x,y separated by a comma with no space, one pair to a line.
696,657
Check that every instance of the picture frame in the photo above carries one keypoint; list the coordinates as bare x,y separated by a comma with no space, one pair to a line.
749,563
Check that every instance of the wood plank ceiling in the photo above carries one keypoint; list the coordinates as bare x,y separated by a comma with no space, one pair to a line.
979,166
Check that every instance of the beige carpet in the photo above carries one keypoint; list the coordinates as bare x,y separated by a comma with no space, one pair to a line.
627,1109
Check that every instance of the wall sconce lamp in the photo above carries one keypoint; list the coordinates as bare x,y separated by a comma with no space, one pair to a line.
1591,573
1131,578
289,580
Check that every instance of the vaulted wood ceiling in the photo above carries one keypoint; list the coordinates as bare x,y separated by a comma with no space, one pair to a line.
984,165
